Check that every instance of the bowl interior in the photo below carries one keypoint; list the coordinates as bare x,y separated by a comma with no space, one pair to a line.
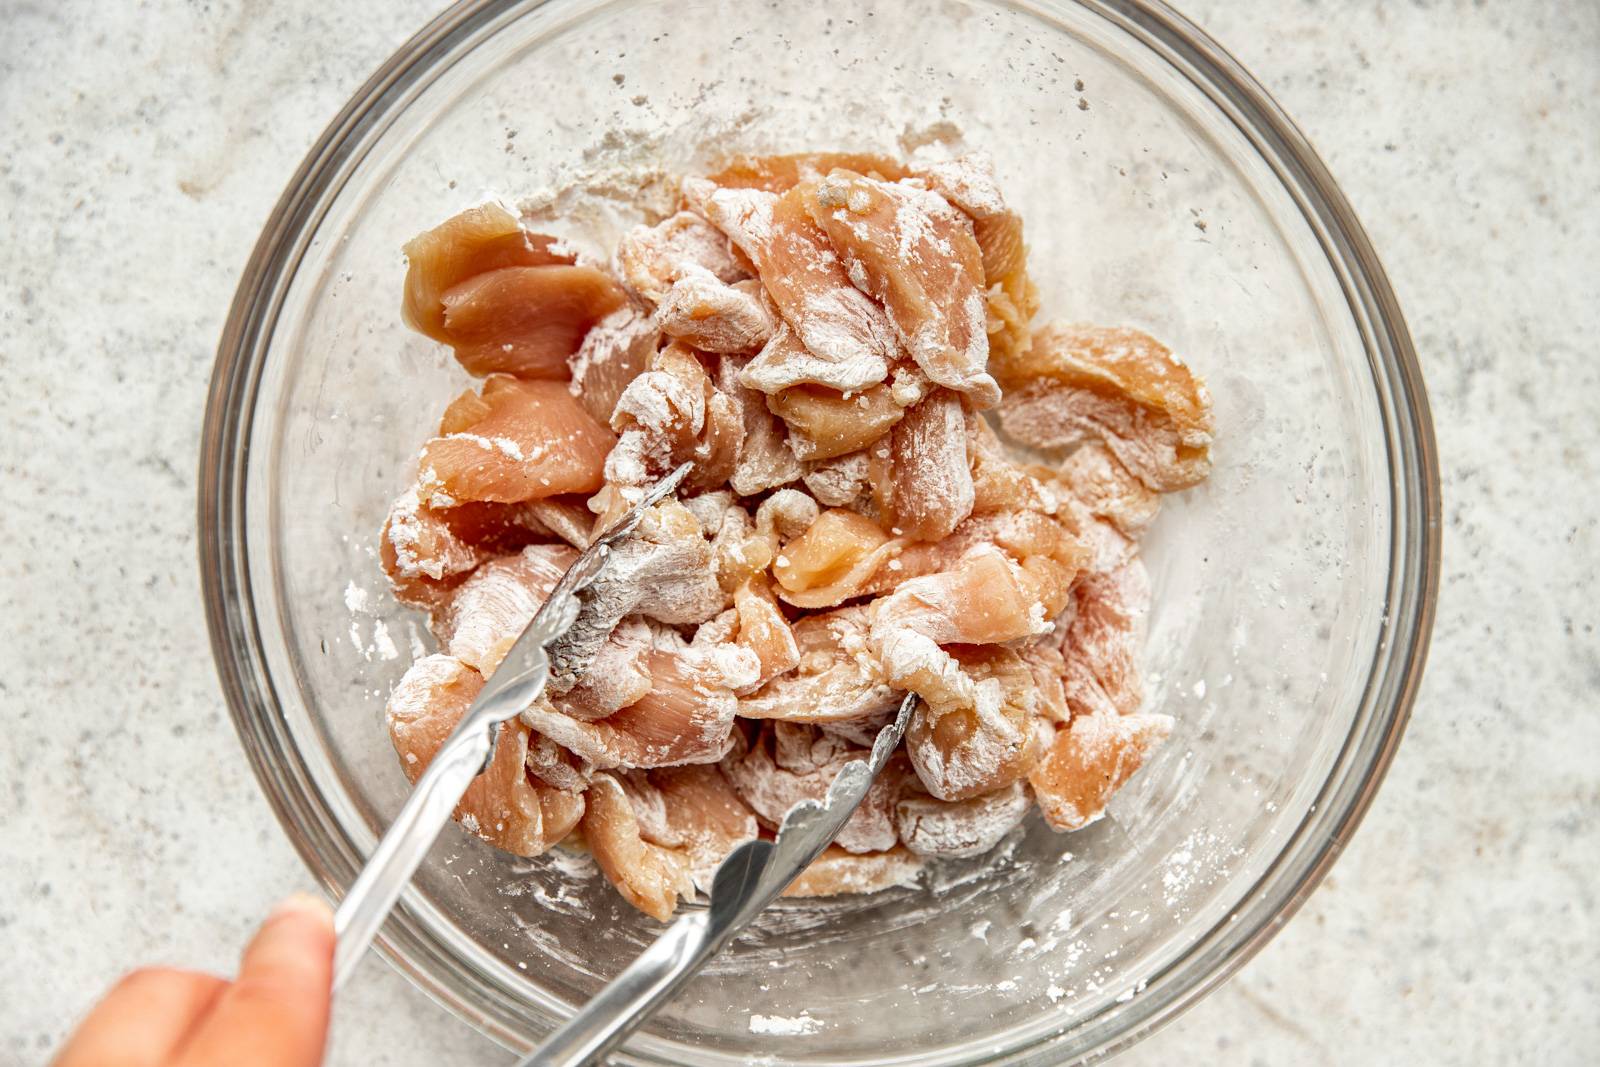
1145,205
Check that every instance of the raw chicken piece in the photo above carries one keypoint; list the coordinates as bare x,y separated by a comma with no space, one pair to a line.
534,441
649,807
663,571
485,615
837,871
713,316
790,762
847,334
824,423
963,750
785,362
910,249
660,415
478,240
779,174
1089,761
651,258
969,183
1105,546
563,517
788,513
526,320
984,599
840,482
998,484
554,766
1079,383
933,827
421,554
428,551
463,413
832,560
1022,534
738,551
763,629
1109,490
1049,669
615,351
671,415
836,680
1101,644
502,806
649,877
686,717
932,479
765,460
705,813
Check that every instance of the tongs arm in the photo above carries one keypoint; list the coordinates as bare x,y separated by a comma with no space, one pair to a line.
465,754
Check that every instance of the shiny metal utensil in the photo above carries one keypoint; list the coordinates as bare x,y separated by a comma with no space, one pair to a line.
752,877
466,753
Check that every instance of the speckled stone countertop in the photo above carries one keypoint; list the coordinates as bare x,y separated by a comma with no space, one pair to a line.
141,149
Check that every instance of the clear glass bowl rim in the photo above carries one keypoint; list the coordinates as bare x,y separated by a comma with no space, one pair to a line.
1218,952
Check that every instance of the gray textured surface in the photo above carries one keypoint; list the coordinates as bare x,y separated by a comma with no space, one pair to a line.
142,147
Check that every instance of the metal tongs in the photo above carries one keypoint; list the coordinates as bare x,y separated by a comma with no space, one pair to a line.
751,877
465,754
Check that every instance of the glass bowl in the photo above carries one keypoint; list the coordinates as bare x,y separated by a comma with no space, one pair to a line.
1162,189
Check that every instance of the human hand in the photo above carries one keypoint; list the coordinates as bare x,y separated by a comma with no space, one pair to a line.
275,1014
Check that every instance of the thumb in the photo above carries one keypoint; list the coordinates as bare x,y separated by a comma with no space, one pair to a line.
276,1013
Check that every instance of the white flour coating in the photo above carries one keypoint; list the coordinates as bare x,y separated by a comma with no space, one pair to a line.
785,361
932,827
423,546
382,643
933,487
356,599
649,259
616,350
839,482
503,445
835,321
654,414
841,326
414,694
765,460
967,181
788,513
702,310
909,385
784,1025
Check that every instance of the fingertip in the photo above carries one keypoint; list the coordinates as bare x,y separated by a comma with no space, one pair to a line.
277,1009
304,907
